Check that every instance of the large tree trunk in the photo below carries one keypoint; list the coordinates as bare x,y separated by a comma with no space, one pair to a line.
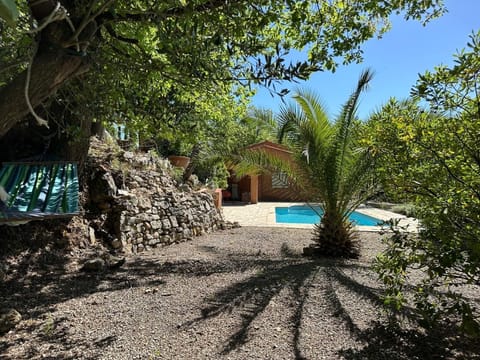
54,63
50,70
68,145
28,142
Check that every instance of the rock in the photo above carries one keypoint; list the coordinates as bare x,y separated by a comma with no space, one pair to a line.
152,212
311,250
124,193
185,187
166,225
150,290
102,186
115,262
156,224
144,203
116,244
91,236
128,155
164,205
94,265
173,221
9,319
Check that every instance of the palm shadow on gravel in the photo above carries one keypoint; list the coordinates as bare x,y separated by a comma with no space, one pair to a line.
251,297
36,293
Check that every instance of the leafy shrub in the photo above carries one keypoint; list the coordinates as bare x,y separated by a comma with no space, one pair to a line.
404,209
430,156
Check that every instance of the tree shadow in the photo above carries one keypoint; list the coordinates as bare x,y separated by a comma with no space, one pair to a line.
55,333
35,288
392,339
392,342
42,278
254,294
381,340
251,296
36,293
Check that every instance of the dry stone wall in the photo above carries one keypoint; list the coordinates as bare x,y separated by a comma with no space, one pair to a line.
142,207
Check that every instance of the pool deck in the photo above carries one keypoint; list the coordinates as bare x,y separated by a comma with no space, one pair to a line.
263,214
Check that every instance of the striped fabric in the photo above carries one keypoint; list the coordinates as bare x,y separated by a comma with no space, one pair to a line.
38,190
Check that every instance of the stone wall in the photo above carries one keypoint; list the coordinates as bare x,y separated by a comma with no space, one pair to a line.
139,205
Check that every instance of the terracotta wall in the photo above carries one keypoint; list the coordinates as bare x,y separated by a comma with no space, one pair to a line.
267,193
265,190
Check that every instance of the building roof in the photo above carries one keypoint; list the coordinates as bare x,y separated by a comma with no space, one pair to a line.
269,145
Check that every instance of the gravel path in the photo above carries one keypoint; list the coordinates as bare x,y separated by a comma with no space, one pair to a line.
237,294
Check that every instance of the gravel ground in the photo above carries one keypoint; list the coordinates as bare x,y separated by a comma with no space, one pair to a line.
244,293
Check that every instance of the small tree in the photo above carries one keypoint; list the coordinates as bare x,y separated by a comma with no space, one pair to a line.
328,165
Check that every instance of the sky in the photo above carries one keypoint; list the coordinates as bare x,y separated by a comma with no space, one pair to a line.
407,50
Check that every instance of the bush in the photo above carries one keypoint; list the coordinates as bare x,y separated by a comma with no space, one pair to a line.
404,209
430,156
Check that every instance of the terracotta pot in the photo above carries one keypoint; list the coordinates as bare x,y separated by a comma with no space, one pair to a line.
179,161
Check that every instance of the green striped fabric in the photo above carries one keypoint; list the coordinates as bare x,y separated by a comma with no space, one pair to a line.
39,190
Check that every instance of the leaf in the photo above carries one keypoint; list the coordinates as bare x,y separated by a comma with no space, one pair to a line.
470,326
9,12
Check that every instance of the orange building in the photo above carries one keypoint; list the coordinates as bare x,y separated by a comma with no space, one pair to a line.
264,187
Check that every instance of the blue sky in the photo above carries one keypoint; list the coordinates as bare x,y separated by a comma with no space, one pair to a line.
405,51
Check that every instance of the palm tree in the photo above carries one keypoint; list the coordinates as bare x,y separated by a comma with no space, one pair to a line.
328,165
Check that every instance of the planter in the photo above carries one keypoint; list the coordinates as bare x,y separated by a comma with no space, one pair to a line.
179,161
217,198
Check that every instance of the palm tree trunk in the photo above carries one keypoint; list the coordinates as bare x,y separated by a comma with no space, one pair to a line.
334,237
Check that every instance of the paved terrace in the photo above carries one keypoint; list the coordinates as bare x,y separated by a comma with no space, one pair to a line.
263,214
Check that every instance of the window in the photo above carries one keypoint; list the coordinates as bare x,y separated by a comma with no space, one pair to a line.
279,180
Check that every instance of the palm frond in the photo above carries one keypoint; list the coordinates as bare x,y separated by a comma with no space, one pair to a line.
349,109
341,150
288,121
264,121
317,124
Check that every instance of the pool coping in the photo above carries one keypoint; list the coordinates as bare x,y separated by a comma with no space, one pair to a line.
263,215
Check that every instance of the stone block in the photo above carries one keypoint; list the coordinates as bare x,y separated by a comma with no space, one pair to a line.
166,224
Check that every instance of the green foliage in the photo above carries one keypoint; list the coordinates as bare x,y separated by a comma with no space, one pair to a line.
48,327
224,139
328,164
176,173
142,50
9,11
431,158
220,175
404,209
257,125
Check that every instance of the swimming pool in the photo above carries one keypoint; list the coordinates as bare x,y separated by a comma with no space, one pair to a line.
302,214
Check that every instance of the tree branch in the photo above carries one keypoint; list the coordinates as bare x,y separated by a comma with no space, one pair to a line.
50,71
168,13
114,35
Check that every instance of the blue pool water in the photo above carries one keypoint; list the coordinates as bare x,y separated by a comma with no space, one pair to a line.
305,215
